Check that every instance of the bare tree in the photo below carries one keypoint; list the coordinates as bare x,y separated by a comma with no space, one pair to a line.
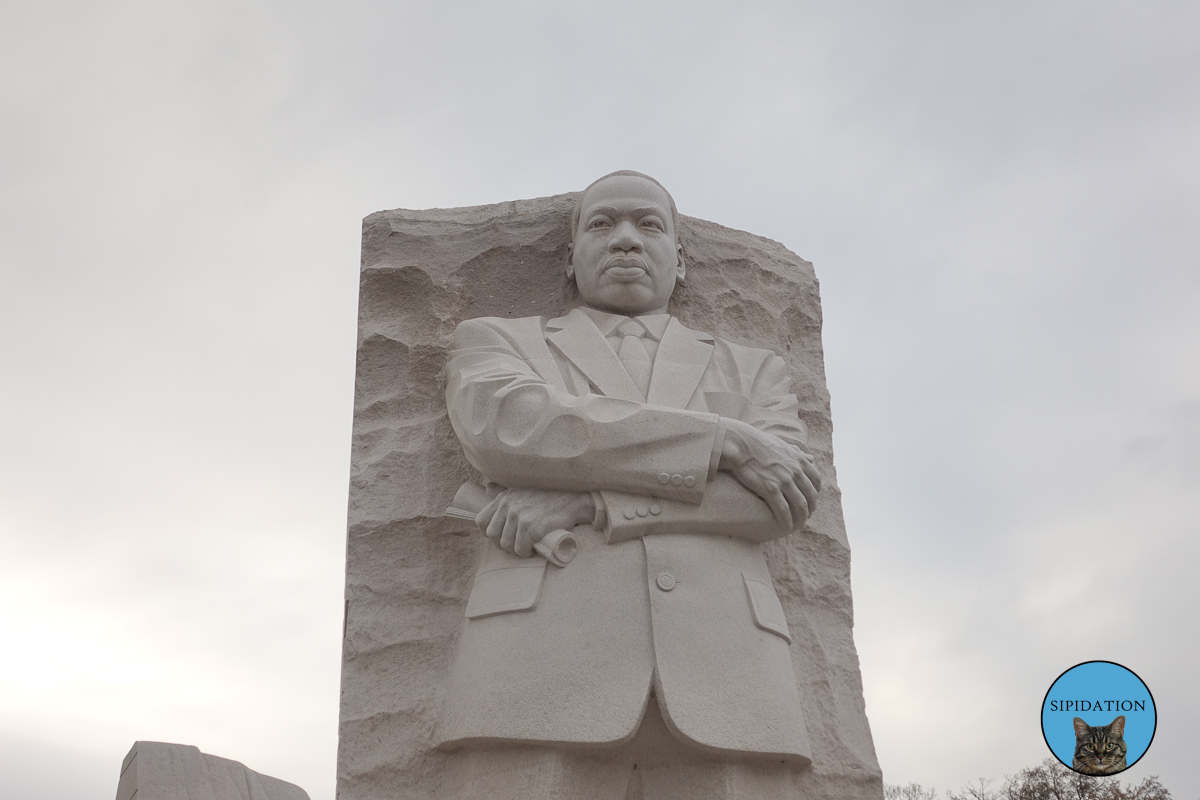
978,789
913,791
1050,780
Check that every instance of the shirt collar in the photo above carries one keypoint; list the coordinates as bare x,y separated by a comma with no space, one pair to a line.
656,324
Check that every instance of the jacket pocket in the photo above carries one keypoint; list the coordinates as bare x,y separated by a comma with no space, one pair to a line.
765,606
507,587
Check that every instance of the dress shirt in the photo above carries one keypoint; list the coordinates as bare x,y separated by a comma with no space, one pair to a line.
655,325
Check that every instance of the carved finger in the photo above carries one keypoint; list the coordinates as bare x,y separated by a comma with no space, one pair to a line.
797,503
509,536
495,528
806,486
810,469
779,508
484,518
523,546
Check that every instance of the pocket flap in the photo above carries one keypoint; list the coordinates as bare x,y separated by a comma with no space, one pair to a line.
764,604
512,587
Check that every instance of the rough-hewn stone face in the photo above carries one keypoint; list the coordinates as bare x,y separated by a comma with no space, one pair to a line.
409,570
163,771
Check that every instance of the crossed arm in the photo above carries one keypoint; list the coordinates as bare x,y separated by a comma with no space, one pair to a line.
559,453
780,474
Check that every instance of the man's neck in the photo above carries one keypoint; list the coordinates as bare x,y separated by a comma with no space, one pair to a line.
622,313
607,321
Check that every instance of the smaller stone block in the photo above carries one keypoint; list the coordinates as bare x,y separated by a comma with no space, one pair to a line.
162,771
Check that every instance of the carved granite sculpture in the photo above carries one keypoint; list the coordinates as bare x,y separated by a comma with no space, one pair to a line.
162,771
622,635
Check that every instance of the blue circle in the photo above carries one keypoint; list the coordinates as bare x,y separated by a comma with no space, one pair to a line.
1098,692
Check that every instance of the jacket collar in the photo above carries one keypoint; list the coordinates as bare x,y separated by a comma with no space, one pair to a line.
679,364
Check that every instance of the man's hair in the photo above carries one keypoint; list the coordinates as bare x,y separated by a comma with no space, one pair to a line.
578,210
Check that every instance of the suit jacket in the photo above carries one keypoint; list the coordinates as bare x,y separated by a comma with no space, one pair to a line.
671,592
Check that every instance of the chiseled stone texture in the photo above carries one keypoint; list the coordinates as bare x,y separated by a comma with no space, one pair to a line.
409,570
162,771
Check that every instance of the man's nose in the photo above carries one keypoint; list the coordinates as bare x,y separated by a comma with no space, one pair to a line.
626,237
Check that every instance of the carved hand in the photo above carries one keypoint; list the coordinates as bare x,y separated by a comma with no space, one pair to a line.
782,474
517,518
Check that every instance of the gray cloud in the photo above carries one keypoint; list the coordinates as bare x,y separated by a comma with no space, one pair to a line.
1000,200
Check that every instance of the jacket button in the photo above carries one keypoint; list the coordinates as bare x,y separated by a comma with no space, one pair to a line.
655,509
642,511
666,581
629,513
676,480
664,478
689,481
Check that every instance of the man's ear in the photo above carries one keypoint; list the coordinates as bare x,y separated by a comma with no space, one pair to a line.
571,261
681,267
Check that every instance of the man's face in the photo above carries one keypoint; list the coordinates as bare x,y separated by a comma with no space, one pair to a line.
625,258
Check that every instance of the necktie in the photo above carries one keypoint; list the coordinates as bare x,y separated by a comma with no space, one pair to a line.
633,354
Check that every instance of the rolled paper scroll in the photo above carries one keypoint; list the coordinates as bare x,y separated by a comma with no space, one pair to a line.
558,547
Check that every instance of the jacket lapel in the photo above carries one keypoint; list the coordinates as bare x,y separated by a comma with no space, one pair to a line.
679,365
581,342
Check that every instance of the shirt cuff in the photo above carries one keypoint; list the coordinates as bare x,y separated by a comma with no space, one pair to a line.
601,518
714,461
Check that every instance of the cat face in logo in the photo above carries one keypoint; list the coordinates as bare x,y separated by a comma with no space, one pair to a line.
1099,750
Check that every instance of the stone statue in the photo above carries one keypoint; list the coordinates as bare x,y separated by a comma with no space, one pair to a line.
635,591
679,453
163,771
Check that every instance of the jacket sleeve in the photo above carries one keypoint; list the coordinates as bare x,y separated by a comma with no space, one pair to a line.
728,508
521,431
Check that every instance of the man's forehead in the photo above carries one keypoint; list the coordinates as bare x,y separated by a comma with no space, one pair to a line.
627,192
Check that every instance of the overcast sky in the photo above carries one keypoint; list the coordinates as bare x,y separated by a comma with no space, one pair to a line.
1001,199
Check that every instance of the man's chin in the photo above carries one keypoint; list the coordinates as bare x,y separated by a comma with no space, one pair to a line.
628,309
625,297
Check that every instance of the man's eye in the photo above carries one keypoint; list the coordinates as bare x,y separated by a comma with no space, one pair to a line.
652,224
597,223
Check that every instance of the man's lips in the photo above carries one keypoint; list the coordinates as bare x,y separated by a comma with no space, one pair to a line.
625,268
